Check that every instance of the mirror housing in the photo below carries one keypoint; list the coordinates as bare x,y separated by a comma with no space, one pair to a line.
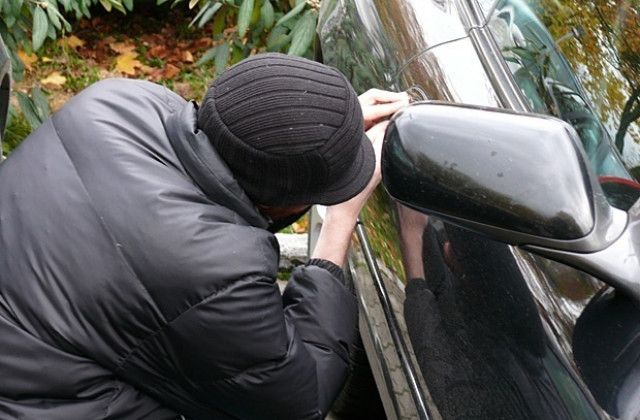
523,179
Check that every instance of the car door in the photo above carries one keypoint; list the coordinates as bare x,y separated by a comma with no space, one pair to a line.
457,325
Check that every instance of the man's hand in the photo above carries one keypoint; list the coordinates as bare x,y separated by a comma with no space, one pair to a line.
379,104
340,219
350,209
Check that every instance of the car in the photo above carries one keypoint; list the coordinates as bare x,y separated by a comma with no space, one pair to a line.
497,268
5,90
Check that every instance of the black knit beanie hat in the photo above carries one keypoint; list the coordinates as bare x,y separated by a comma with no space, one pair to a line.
290,130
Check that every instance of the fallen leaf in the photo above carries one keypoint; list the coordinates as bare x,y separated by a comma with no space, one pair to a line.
155,74
47,60
203,43
71,41
174,57
300,227
106,74
187,57
147,69
127,63
158,51
170,71
27,59
54,81
123,48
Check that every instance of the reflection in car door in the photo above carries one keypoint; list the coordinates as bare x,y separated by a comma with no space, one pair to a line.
470,327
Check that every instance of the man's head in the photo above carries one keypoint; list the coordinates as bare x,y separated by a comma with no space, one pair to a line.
290,130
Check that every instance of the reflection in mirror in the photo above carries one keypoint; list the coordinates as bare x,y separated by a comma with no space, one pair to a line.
476,332
411,225
517,172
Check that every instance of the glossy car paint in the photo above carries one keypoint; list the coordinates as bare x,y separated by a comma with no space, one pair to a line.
544,197
457,325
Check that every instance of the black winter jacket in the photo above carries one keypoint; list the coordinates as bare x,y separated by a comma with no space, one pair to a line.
137,280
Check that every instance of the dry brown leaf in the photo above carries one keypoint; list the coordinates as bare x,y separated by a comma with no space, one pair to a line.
300,227
174,57
127,63
27,59
147,69
187,57
71,41
158,51
123,48
170,71
54,81
155,74
203,43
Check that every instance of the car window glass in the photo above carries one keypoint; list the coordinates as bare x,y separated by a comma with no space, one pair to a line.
549,48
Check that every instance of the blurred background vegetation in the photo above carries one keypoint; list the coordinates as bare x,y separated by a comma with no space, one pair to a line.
58,47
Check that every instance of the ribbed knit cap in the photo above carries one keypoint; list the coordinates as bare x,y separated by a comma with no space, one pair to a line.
290,130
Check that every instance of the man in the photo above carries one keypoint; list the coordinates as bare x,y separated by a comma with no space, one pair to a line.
137,266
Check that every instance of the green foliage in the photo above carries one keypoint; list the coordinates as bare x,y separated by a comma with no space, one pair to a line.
260,25
239,29
26,24
35,107
17,130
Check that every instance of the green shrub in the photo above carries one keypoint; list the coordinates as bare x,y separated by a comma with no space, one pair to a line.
239,29
260,25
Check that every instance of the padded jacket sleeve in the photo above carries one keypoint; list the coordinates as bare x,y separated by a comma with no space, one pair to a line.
247,352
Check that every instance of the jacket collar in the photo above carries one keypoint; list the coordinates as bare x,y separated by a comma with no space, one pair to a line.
205,166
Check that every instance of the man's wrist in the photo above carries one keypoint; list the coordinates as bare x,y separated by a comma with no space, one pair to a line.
331,267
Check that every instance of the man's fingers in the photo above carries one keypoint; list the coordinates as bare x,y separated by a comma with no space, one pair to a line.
374,96
376,134
375,112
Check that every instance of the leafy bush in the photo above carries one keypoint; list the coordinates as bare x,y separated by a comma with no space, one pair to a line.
239,29
261,25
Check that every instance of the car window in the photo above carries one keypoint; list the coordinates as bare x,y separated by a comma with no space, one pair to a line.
538,38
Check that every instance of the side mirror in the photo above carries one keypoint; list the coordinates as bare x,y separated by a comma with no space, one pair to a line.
522,179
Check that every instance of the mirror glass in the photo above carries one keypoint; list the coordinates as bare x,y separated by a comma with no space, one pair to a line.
524,173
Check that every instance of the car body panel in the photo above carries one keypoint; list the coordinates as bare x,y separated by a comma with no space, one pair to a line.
370,54
473,327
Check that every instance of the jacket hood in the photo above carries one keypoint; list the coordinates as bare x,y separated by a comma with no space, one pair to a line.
205,166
